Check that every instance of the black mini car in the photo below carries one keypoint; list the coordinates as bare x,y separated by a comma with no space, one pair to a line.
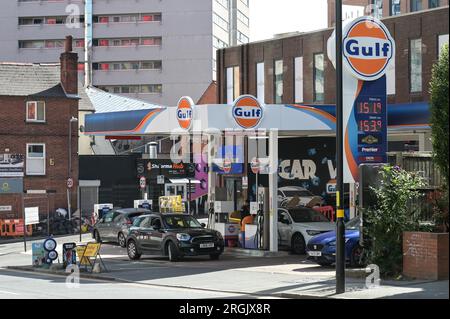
173,235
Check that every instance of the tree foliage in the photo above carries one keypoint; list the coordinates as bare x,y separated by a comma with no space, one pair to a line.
439,113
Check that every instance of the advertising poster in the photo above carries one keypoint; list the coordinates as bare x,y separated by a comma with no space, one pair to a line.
69,254
306,167
38,254
11,165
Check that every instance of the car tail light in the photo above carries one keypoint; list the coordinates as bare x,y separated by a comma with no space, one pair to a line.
128,222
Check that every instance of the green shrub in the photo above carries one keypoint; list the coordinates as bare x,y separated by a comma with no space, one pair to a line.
385,223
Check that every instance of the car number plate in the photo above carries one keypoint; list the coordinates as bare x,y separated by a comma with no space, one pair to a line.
315,253
207,245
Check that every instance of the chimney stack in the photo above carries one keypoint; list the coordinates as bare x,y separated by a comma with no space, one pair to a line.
69,68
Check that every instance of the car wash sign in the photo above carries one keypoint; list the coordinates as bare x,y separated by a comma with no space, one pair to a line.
367,49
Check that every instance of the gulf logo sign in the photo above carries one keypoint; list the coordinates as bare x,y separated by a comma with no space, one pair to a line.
185,112
367,48
247,112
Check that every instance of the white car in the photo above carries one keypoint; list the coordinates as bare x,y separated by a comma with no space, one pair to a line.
287,193
296,226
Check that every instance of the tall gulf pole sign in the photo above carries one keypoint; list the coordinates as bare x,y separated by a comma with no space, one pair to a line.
367,50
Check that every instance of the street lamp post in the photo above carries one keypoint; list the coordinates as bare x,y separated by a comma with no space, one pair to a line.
69,175
340,226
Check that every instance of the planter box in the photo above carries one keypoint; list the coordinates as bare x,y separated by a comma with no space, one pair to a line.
425,255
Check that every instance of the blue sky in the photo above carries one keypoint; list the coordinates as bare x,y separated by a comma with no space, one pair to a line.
269,17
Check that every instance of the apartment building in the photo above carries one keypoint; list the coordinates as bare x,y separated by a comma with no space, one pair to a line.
154,50
380,8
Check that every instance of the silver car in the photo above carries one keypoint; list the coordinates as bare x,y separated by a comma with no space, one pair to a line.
114,225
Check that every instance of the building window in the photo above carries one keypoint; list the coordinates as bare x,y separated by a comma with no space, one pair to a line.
41,44
138,17
132,65
219,44
433,4
136,89
376,8
242,38
416,5
223,3
260,82
35,111
278,82
219,21
233,84
35,164
126,42
319,80
394,7
243,18
415,65
42,20
298,80
390,78
442,40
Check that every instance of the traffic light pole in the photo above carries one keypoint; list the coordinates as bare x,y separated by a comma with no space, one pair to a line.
340,227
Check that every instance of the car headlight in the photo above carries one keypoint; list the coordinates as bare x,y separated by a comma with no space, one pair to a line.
333,242
183,237
313,232
219,235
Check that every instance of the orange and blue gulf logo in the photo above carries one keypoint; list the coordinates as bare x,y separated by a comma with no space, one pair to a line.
247,112
184,112
367,48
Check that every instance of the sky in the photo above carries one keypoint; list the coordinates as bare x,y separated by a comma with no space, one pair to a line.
269,17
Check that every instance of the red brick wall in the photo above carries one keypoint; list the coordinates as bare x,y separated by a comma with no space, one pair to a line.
425,255
15,133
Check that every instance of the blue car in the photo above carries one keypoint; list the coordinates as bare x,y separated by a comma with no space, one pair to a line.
322,248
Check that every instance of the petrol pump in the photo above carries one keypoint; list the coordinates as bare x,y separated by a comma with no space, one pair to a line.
101,210
222,223
143,203
257,234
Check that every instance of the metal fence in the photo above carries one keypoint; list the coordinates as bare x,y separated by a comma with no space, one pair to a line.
422,164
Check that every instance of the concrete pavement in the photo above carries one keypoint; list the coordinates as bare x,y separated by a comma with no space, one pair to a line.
282,275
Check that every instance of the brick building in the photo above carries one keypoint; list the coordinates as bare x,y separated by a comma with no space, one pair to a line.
296,69
38,102
380,8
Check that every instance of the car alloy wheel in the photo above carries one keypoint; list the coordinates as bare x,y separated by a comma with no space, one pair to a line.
121,239
132,250
172,252
298,244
